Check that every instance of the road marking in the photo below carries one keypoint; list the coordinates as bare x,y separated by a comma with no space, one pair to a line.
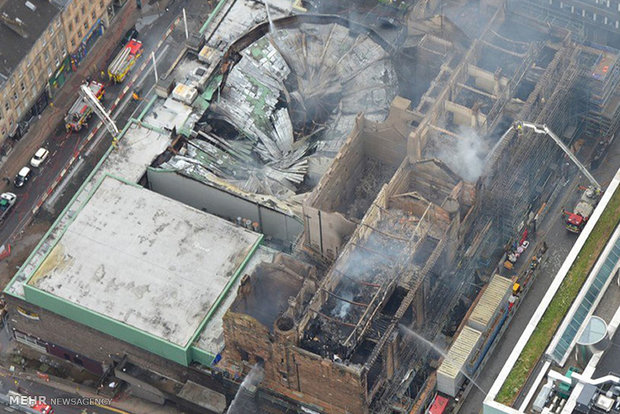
42,197
116,410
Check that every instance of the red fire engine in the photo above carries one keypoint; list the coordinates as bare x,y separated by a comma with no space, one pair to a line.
80,111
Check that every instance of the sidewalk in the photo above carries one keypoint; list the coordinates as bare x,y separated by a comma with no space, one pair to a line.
129,404
51,118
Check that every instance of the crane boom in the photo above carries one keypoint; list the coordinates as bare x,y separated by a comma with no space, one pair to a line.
544,129
94,103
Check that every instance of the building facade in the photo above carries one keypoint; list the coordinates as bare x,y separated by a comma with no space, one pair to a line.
597,21
43,41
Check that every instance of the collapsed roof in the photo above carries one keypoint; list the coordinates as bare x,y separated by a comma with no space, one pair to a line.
286,108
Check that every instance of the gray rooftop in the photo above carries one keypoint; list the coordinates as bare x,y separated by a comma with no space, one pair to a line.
150,262
203,396
18,39
211,339
136,150
610,361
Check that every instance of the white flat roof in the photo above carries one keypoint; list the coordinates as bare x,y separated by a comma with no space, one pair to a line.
459,352
168,113
212,337
136,150
145,260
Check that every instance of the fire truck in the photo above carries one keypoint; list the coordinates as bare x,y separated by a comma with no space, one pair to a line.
576,220
124,61
25,403
80,111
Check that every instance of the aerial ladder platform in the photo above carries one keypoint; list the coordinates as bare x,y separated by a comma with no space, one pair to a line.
576,220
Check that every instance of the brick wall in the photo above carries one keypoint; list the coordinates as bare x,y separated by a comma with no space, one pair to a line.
294,372
81,339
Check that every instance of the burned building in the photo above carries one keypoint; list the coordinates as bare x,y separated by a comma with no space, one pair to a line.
378,179
598,22
272,123
368,159
347,323
404,229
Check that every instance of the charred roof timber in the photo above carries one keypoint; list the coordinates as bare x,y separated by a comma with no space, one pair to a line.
316,118
391,219
399,241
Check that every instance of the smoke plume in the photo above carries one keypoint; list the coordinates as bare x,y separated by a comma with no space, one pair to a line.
244,402
465,155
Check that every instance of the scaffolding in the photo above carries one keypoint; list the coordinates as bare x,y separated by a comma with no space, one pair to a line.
533,161
599,75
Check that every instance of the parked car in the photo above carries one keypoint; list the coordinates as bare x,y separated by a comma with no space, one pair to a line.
22,176
39,157
130,34
6,202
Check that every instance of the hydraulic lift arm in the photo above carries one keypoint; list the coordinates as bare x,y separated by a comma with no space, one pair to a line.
543,129
94,103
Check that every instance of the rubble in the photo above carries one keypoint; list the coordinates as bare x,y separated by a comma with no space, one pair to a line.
292,96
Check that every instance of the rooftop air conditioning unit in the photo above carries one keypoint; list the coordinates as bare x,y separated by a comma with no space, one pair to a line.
184,93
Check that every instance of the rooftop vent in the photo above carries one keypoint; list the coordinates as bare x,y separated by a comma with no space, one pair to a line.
593,338
31,6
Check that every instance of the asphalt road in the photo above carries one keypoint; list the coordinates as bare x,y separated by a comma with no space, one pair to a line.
59,400
63,146
560,242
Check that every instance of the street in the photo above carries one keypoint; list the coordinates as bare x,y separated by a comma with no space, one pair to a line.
64,146
560,242
53,397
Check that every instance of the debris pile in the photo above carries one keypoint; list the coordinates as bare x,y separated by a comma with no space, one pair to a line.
287,105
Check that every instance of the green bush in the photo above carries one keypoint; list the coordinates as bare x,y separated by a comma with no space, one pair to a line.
561,302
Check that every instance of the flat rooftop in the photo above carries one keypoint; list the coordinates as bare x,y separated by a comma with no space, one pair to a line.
137,147
211,339
141,259
17,41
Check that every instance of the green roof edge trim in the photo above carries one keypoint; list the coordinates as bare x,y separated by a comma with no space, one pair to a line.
181,355
147,107
215,11
222,296
90,195
107,325
64,211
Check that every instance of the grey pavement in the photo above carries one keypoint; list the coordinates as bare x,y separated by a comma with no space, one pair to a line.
560,242
58,388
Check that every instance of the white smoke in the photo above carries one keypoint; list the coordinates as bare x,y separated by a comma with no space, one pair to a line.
342,308
465,155
243,403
